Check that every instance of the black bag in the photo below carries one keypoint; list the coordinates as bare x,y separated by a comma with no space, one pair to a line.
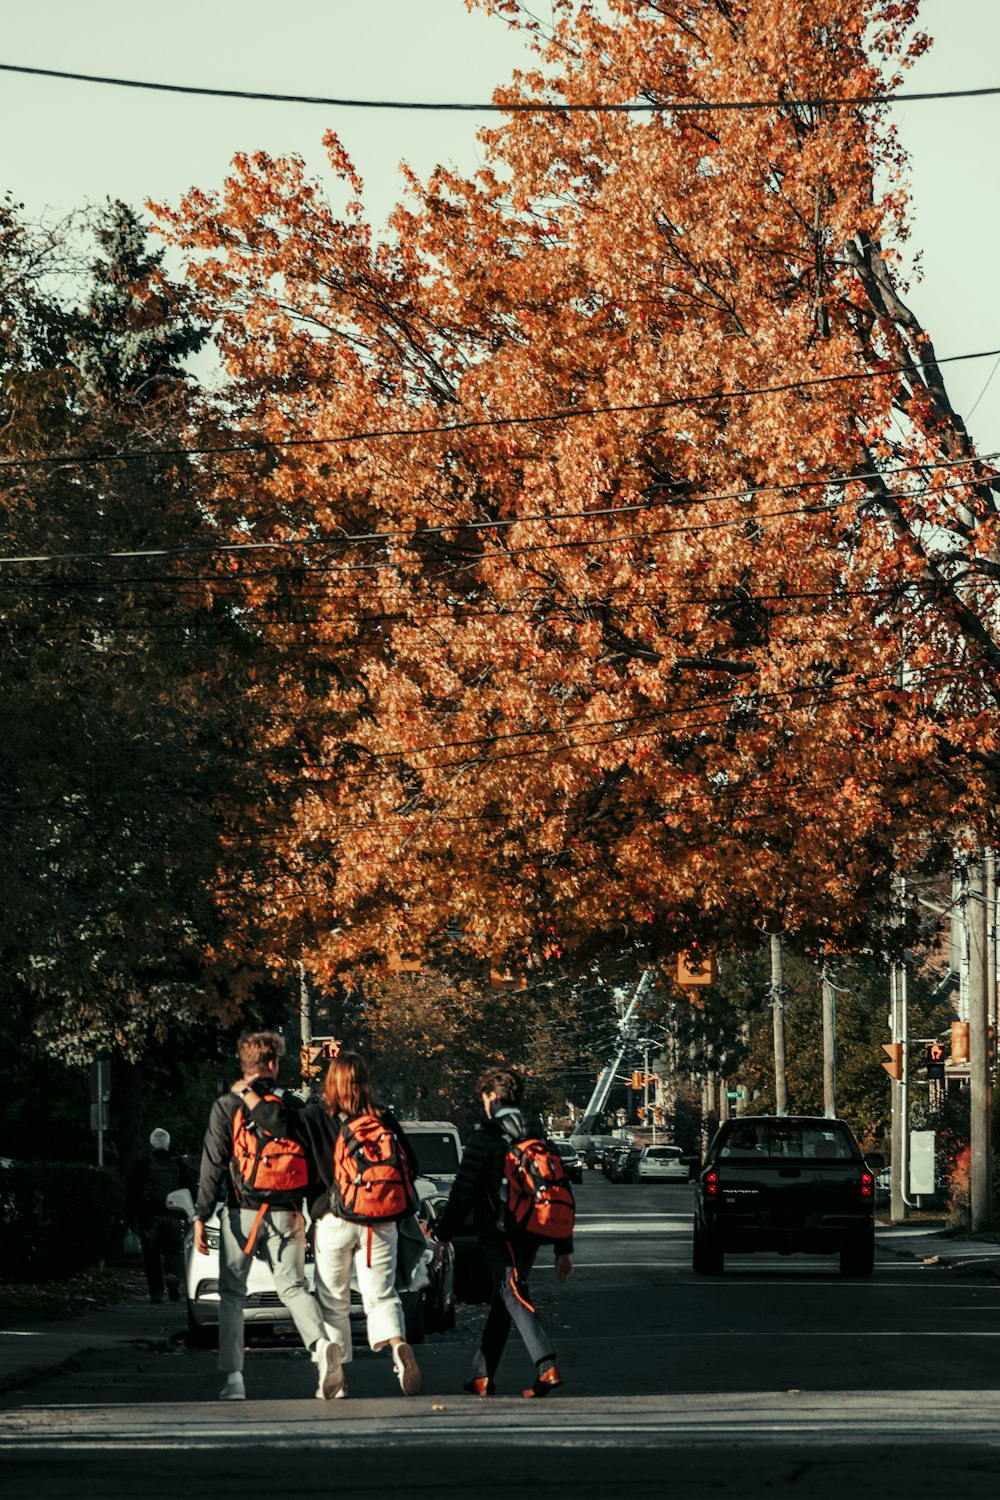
162,1177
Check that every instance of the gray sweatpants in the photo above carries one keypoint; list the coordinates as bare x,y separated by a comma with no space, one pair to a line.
282,1235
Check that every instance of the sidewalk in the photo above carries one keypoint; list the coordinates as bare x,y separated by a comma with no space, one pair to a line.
30,1349
935,1246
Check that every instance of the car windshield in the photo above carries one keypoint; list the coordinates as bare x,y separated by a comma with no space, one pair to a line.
436,1153
797,1140
565,1149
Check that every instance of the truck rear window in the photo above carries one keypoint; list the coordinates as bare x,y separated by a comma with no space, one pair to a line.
794,1141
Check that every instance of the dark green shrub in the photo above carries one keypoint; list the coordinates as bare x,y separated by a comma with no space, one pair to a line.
56,1218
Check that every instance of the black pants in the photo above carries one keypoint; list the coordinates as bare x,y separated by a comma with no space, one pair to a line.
162,1239
509,1267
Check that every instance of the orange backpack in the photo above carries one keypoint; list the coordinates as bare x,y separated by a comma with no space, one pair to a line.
267,1170
537,1198
371,1175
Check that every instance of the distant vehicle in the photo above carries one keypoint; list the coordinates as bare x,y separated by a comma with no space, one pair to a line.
610,1157
571,1159
661,1164
786,1184
623,1168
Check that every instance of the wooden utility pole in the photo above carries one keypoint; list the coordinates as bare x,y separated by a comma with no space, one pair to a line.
829,1048
980,1073
778,1015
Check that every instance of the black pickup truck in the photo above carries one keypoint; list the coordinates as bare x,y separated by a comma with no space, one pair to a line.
786,1184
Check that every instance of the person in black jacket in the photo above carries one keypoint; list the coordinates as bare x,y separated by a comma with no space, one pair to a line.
160,1229
276,1226
509,1257
340,1243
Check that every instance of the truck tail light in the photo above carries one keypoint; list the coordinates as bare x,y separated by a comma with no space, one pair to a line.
867,1184
711,1183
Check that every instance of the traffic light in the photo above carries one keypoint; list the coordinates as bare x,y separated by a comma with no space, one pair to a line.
960,1041
695,967
636,1079
310,1062
894,1052
934,1055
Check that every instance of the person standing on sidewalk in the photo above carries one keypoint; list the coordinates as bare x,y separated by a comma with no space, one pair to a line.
261,1177
365,1167
160,1229
509,1255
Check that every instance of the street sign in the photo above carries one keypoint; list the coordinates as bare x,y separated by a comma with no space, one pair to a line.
732,1093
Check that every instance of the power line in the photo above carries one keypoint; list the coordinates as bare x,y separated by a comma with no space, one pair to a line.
401,535
567,414
816,101
475,559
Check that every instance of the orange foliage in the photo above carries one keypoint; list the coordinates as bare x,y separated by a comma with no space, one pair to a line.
635,623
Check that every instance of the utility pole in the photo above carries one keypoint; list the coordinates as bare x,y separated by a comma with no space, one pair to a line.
778,1015
898,1097
980,1081
305,1006
829,1047
990,875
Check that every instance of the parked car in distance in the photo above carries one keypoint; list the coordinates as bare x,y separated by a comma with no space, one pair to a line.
611,1158
571,1159
786,1184
623,1169
661,1164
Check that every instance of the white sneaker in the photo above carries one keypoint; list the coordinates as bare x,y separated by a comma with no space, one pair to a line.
407,1370
234,1389
331,1371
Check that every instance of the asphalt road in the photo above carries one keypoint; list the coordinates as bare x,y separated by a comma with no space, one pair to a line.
778,1377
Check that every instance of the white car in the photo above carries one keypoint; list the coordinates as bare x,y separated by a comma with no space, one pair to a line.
429,1309
661,1164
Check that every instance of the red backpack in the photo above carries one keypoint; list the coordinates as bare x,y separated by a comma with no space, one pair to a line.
371,1175
267,1170
537,1198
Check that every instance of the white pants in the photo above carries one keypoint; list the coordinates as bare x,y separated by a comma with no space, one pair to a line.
340,1244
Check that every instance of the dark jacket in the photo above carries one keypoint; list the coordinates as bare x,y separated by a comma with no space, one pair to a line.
142,1193
317,1130
215,1180
477,1181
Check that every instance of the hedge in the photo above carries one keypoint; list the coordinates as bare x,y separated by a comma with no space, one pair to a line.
56,1218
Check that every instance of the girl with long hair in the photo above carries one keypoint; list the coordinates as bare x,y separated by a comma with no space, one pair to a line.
340,1243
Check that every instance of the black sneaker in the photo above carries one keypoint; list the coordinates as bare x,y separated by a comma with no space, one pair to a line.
173,1289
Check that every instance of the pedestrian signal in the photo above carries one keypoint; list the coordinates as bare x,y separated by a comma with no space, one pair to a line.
894,1052
934,1056
960,1041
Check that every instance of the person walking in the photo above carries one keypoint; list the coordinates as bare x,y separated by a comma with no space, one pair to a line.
160,1228
510,1253
261,1177
365,1167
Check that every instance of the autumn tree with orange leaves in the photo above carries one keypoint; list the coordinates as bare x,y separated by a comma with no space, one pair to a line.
629,573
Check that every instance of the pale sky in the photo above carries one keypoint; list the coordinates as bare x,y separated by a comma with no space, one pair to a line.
67,144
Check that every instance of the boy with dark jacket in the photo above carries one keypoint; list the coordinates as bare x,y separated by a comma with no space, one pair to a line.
509,1257
278,1227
